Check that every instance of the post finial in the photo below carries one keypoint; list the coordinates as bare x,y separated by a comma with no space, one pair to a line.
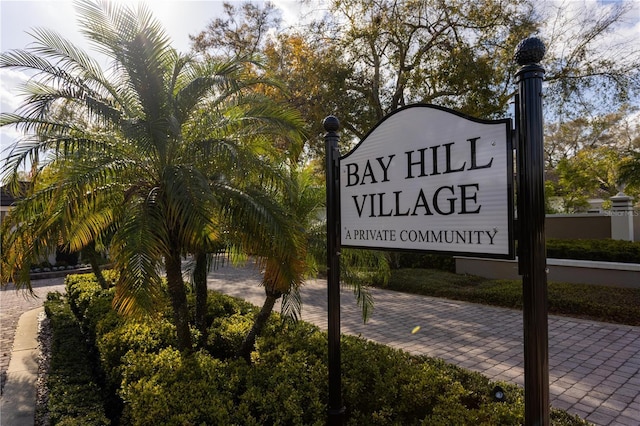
529,51
331,123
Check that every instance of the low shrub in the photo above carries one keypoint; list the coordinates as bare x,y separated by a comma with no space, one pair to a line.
287,382
175,389
74,396
441,262
387,386
599,303
598,250
227,333
140,336
90,303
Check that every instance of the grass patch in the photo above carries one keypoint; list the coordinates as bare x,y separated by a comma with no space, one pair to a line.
599,303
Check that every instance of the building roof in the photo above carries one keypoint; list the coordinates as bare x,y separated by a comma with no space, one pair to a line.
7,198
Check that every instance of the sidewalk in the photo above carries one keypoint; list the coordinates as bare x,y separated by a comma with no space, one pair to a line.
594,366
19,350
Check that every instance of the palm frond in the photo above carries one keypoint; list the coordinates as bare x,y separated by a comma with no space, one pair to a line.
291,305
69,57
138,247
190,205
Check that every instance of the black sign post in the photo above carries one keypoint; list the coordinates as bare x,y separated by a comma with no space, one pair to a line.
336,410
531,216
531,239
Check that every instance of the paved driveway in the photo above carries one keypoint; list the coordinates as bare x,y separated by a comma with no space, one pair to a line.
594,366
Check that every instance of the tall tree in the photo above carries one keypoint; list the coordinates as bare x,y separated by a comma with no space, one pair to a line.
315,78
453,53
630,170
590,173
130,161
618,131
593,59
242,30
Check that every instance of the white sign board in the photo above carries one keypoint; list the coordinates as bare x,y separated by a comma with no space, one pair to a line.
430,179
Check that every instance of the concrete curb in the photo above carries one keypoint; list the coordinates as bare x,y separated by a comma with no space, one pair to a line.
17,404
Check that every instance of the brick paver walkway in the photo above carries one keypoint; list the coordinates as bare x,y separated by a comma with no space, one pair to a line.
594,367
13,304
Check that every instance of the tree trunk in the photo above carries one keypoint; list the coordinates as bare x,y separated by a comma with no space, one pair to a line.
91,253
178,298
249,343
200,286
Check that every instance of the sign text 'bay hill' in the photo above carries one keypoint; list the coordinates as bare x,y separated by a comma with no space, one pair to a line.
461,198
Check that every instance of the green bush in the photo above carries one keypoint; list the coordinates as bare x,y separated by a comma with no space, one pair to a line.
287,382
230,320
175,389
385,386
74,396
140,336
442,262
90,303
226,335
599,250
221,305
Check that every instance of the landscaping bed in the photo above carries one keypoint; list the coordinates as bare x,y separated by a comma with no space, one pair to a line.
133,368
587,301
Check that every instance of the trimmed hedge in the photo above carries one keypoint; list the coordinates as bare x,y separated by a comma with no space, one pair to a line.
599,250
287,382
599,303
74,396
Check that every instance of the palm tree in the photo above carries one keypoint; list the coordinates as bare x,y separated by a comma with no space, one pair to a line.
44,218
287,265
151,152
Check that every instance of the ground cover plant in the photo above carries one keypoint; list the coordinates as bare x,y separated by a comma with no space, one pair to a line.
604,250
286,381
74,397
599,303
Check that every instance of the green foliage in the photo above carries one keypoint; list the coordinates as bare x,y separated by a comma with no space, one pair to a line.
142,336
160,156
287,382
74,397
418,390
89,302
175,388
441,262
599,303
456,55
220,305
590,173
284,388
227,334
601,250
630,168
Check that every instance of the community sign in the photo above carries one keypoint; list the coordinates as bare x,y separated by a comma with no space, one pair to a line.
430,179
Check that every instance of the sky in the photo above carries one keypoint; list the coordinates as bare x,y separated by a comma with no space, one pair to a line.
179,18
17,17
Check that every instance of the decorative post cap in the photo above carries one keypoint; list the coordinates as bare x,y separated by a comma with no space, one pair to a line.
331,124
531,50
